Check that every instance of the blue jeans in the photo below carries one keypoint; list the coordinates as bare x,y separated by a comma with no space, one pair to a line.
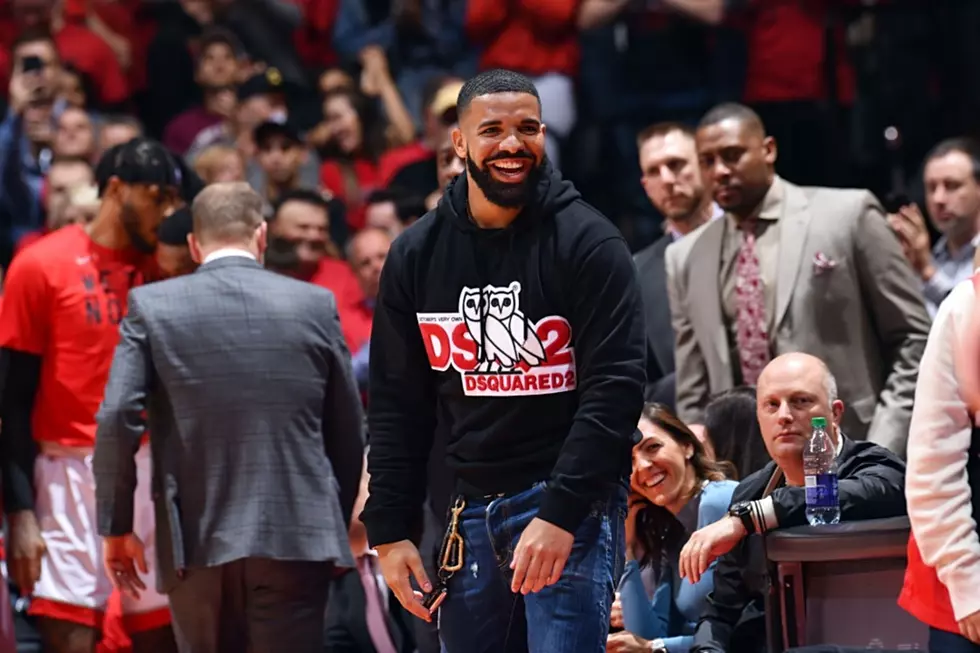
482,615
941,641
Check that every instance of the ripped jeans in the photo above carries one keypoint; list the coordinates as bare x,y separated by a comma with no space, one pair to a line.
482,615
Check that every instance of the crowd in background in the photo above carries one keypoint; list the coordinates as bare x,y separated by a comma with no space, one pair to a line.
339,113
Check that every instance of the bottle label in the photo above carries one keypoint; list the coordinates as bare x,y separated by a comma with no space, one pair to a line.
821,491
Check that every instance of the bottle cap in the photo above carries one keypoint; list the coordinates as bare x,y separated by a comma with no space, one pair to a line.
819,422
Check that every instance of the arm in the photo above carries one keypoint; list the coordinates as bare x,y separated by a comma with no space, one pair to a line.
343,419
937,488
873,488
401,409
937,286
351,33
642,616
596,13
121,425
893,297
725,604
691,374
23,337
609,341
485,19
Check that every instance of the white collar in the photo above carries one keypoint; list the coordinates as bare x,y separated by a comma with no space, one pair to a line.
226,252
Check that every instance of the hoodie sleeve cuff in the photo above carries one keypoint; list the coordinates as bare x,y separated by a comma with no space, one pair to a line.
386,530
565,511
763,514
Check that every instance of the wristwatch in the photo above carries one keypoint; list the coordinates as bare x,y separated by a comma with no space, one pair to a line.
742,511
658,646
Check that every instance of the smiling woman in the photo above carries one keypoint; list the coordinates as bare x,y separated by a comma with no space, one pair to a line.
676,488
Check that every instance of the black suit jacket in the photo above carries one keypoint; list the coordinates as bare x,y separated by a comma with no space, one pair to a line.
346,625
660,334
871,486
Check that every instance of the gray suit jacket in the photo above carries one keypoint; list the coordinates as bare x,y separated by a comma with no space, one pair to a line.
863,313
255,421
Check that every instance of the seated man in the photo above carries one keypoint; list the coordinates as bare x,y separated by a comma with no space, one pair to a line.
793,389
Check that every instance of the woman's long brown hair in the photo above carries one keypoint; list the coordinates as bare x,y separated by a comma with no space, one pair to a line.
655,525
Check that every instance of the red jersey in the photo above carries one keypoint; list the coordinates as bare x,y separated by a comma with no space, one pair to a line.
63,300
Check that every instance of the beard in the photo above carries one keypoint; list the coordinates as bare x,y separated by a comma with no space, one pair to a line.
508,195
131,223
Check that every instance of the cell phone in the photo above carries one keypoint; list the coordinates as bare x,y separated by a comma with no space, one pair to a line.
32,64
894,201
434,599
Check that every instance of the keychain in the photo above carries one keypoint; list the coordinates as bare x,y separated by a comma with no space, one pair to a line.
450,558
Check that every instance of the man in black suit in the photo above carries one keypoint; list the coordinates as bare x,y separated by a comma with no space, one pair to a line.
363,615
256,437
672,179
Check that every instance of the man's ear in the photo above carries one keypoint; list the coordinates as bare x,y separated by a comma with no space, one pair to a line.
195,248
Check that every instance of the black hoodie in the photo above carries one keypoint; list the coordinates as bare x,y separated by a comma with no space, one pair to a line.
527,342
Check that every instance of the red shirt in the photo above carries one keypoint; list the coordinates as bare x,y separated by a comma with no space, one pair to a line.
534,38
394,160
63,300
337,277
786,53
367,178
91,55
923,594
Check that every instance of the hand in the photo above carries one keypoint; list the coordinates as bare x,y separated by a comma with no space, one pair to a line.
616,613
707,544
20,91
970,627
25,548
910,227
626,643
400,561
634,549
540,556
122,557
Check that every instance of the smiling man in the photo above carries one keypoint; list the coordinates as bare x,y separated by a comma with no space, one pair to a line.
511,317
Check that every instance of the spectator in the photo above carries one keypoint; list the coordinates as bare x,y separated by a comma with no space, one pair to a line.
449,165
220,163
392,210
303,217
217,76
282,163
366,254
952,184
74,134
677,489
837,286
731,426
672,180
354,151
116,130
66,174
793,389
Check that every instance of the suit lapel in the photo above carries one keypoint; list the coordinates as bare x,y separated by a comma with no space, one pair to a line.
794,223
704,262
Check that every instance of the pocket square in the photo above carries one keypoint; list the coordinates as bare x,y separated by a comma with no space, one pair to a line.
823,263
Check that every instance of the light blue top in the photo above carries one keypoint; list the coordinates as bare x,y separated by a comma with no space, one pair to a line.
677,604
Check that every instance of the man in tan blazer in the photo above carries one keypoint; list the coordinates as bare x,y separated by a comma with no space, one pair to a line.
787,268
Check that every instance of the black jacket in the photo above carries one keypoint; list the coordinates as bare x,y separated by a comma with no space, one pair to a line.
651,267
346,629
527,340
871,486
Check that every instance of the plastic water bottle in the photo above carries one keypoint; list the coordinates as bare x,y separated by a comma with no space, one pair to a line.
820,469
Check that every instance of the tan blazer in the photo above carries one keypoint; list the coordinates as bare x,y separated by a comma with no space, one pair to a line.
857,306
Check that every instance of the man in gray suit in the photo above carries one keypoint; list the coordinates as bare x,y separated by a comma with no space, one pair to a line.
789,269
256,438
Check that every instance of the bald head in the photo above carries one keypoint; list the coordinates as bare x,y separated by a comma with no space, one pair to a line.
792,390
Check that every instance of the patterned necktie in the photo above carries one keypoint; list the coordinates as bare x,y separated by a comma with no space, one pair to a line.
374,612
750,307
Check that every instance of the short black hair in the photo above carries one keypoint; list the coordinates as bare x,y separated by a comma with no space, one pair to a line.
304,195
498,80
121,120
962,144
408,205
176,226
732,111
